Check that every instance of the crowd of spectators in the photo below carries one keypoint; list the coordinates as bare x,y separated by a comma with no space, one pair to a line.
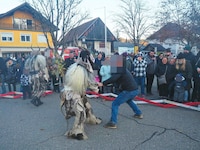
145,68
181,73
10,73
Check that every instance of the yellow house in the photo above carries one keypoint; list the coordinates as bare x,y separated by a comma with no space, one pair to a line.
23,29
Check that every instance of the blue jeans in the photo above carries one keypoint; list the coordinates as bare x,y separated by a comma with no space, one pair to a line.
186,96
3,87
141,81
124,96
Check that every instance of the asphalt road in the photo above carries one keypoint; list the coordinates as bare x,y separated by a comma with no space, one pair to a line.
26,127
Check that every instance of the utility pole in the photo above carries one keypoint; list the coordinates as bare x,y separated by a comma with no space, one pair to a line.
106,49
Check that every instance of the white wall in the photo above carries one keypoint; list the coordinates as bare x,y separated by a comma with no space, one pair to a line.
125,49
107,51
175,46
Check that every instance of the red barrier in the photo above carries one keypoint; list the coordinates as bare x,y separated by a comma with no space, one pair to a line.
145,100
192,103
47,92
101,96
154,103
13,95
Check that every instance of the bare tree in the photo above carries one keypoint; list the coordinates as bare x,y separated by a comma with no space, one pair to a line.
193,23
133,20
64,14
185,13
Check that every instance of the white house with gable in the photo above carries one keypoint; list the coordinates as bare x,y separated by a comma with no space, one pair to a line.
168,37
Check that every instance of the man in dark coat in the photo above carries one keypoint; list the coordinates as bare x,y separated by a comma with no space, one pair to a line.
3,70
196,79
151,65
69,61
129,89
188,55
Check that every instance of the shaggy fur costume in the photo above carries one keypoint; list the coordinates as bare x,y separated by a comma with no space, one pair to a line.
36,64
79,77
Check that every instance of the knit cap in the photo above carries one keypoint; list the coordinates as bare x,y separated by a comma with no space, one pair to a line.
179,78
187,47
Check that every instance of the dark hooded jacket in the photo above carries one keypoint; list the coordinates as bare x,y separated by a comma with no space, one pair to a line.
125,81
192,59
3,68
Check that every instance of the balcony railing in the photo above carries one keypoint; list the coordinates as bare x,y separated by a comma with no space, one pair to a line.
20,27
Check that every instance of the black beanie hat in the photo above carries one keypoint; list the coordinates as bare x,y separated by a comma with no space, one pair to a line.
180,56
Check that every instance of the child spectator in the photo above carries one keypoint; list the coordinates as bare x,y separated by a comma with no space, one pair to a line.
25,84
180,92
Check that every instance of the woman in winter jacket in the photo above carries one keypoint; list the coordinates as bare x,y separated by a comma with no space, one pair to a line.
184,67
160,70
170,76
11,75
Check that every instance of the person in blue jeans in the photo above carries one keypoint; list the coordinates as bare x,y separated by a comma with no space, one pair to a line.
139,72
129,89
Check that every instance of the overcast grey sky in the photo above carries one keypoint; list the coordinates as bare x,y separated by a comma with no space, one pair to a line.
95,7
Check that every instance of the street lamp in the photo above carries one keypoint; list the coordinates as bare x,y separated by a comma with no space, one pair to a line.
83,38
105,30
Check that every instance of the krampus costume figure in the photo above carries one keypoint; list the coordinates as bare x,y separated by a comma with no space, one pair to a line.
36,64
78,78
